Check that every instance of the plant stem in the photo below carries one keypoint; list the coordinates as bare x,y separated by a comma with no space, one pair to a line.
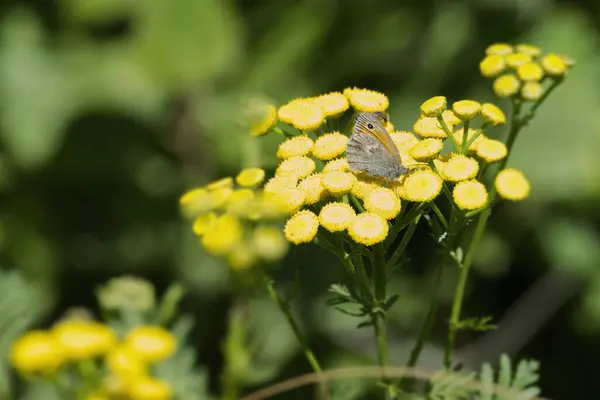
235,353
379,320
404,242
465,136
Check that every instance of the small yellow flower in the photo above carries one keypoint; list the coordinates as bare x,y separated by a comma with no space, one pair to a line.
301,227
515,60
298,167
336,216
422,186
151,343
261,125
470,195
450,118
289,110
313,188
466,109
530,72
501,49
492,114
292,199
434,106
269,243
242,258
338,183
368,228
532,91
223,183
460,133
554,65
340,164
295,146
362,188
506,85
330,146
426,149
146,388
529,49
266,205
250,177
366,100
389,127
278,183
511,184
309,117
404,140
384,202
225,234
333,103
428,127
238,201
36,352
80,339
196,201
125,362
460,168
491,150
492,65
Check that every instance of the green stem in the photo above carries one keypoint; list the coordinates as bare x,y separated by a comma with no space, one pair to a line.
448,133
439,214
404,242
465,136
235,352
379,314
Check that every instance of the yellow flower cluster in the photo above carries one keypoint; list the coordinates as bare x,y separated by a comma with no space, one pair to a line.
126,363
519,71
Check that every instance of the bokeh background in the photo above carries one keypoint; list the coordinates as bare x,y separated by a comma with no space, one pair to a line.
110,109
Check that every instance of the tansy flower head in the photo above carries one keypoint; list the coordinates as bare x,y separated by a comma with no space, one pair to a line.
529,49
506,85
429,127
450,118
287,111
492,114
151,343
434,106
301,227
366,100
511,184
36,352
267,205
313,188
336,216
269,243
422,186
384,202
308,117
291,199
196,201
389,127
460,168
330,146
220,184
298,167
338,183
554,65
515,60
362,188
238,201
470,195
530,72
250,177
340,164
532,91
333,103
492,65
278,183
261,117
368,229
204,223
225,234
145,388
501,49
491,150
466,109
426,149
404,140
295,146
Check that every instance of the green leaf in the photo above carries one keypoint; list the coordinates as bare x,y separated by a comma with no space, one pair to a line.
504,375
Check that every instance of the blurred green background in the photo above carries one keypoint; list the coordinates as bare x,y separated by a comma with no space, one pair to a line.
109,109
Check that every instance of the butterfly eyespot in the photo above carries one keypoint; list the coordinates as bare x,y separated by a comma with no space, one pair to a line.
370,126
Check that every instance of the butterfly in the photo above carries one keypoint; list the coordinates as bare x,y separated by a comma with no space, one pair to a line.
372,150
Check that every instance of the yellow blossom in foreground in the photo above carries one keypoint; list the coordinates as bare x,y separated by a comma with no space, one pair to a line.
491,150
287,111
383,201
533,51
298,167
501,49
466,109
336,216
301,227
196,201
450,118
83,339
292,199
434,106
308,117
146,388
330,146
426,149
460,168
222,183
265,205
227,232
515,60
333,103
492,65
269,243
470,195
250,177
366,100
506,85
340,164
278,183
261,124
313,189
338,183
429,127
422,186
532,91
295,146
368,229
492,114
530,72
125,362
404,140
511,184
554,65
36,352
151,343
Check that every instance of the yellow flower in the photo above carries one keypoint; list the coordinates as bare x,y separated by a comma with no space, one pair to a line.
338,183
225,234
310,116
422,186
151,343
384,202
515,60
511,184
242,258
368,228
340,164
426,149
301,227
295,146
389,127
491,150
146,388
529,49
196,201
336,216
222,183
404,140
532,91
264,206
330,146
501,49
429,127
333,103
278,183
506,85
460,168
289,110
361,188
466,109
434,106
459,134
554,65
298,167
262,124
492,65
450,118
292,199
492,114
36,352
530,72
269,243
366,100
313,188
238,201
125,362
250,177
80,339
470,195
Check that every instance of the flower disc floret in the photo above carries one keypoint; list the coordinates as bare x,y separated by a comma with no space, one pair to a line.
492,114
422,186
426,149
365,100
302,227
491,150
80,339
532,91
204,223
368,229
340,164
336,216
278,183
460,168
286,112
333,103
554,65
492,65
313,188
298,167
292,199
330,146
470,195
384,202
309,117
434,106
225,235
250,177
530,72
429,127
501,49
506,85
466,109
511,184
338,183
295,146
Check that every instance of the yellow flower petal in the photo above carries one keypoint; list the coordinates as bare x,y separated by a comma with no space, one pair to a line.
511,184
532,91
491,150
298,167
250,177
466,109
384,202
434,106
336,216
330,146
422,186
302,227
368,229
492,65
333,103
492,114
313,188
530,72
426,149
295,146
366,100
501,49
470,195
515,60
338,183
506,85
460,168
554,65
